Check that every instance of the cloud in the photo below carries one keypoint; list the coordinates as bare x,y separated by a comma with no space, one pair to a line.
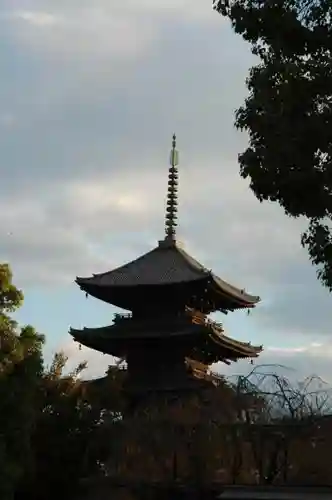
306,360
78,117
74,32
87,34
97,363
102,30
68,218
43,12
7,120
35,18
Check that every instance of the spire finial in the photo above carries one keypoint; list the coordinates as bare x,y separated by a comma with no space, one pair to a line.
172,198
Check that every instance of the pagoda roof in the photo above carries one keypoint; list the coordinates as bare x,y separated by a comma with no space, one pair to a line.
166,264
116,339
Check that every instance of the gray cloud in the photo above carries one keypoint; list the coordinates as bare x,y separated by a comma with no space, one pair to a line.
310,359
80,117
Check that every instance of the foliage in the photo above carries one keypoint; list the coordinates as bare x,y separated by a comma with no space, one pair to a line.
64,425
288,113
286,422
176,438
258,429
20,369
48,419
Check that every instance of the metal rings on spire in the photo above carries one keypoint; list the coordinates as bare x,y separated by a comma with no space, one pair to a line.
172,193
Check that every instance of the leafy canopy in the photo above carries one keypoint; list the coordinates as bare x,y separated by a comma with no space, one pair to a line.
21,366
288,113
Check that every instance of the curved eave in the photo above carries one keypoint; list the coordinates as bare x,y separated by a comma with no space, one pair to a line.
121,333
240,298
93,342
127,297
83,283
166,268
114,340
100,292
87,283
110,340
245,349
223,296
241,349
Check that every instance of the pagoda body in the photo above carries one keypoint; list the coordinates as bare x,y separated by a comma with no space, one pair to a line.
166,336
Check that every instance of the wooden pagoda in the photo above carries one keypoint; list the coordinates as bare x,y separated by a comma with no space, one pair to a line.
166,336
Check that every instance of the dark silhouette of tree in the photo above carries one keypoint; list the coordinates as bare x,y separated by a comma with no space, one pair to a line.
288,113
21,366
286,421
69,436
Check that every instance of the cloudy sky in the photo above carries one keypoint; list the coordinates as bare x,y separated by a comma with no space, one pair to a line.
90,95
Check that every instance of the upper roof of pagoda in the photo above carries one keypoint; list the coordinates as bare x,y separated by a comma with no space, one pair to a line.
167,273
167,264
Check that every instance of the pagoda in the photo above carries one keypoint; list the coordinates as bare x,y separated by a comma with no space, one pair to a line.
166,336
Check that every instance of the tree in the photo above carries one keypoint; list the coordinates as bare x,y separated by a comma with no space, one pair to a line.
284,429
64,437
188,438
20,369
288,113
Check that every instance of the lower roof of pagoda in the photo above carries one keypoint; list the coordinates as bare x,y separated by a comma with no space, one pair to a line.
159,273
206,342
